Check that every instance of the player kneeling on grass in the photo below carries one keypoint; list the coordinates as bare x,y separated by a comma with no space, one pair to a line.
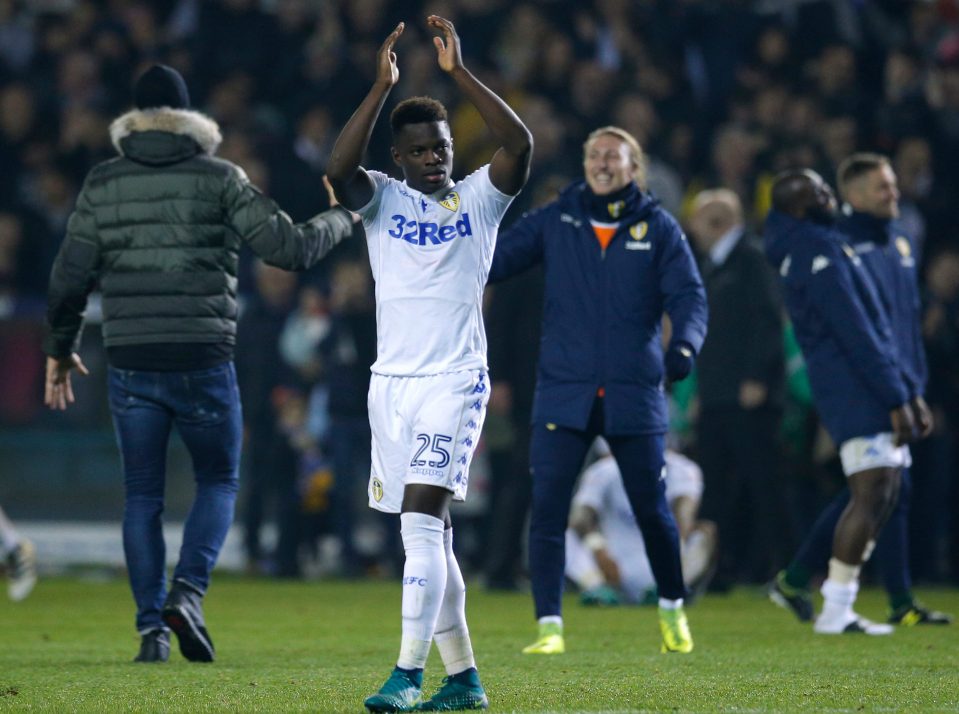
605,553
20,560
430,243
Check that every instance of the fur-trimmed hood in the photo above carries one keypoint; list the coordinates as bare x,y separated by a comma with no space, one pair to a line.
199,127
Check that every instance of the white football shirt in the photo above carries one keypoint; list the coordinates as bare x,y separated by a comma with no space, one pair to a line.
430,256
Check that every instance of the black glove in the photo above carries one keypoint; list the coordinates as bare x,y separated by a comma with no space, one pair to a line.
678,362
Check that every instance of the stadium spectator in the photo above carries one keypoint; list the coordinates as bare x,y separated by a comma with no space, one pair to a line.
858,382
269,464
169,305
605,552
913,167
429,387
867,183
636,114
513,327
935,526
348,351
20,560
614,262
740,377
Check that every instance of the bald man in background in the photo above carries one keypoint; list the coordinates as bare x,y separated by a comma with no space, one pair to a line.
741,379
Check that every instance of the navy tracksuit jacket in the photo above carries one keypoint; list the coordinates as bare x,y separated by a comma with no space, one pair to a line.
841,325
890,257
603,309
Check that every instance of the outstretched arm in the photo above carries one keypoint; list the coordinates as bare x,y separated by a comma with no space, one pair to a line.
270,232
509,168
349,180
519,248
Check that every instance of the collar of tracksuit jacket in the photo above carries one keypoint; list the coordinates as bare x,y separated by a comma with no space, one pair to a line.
636,204
864,226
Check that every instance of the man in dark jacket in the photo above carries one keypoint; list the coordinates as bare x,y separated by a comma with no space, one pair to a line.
854,369
160,229
615,261
867,183
741,381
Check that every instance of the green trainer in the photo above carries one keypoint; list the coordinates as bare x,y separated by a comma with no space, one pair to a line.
797,600
459,692
550,640
675,628
401,693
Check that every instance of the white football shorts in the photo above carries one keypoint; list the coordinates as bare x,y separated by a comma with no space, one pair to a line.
873,452
425,430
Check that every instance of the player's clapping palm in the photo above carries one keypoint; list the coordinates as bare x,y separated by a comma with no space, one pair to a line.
386,70
447,52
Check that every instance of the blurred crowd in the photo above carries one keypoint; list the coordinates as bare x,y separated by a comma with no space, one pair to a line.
720,93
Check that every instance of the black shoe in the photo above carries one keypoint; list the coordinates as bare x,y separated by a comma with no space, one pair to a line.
796,600
183,613
916,614
154,647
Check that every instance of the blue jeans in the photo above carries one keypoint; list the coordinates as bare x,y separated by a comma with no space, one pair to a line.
205,406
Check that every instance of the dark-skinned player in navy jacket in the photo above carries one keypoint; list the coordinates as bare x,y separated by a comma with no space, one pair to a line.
615,262
858,384
868,186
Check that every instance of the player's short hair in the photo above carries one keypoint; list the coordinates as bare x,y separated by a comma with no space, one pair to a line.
416,110
635,150
856,165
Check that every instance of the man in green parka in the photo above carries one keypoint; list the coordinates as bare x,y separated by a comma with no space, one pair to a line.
159,230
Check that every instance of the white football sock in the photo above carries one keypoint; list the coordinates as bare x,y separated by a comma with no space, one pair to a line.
838,599
452,635
424,582
843,573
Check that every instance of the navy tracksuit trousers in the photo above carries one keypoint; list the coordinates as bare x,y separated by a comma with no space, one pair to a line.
556,459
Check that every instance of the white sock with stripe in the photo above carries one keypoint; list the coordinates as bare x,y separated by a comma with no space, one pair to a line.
452,635
424,583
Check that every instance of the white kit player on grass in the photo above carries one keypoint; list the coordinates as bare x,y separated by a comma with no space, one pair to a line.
605,552
21,560
431,243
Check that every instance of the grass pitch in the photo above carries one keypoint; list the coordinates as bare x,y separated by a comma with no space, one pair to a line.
323,647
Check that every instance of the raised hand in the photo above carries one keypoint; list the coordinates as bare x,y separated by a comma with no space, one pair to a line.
447,47
386,70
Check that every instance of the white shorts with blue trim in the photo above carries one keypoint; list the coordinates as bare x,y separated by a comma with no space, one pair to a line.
425,430
878,451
